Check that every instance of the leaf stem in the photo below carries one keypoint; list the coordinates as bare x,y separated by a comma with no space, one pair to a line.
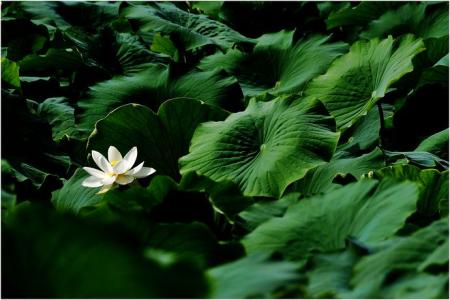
382,128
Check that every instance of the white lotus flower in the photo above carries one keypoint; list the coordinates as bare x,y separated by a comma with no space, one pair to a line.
115,169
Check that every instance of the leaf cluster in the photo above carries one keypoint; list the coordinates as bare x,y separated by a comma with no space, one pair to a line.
300,148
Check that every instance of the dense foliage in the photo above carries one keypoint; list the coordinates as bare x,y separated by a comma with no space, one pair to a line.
300,149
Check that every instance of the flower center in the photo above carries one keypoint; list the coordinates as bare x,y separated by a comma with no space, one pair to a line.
114,162
111,174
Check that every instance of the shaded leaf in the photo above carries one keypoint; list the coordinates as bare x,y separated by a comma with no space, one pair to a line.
72,197
57,256
160,138
252,276
320,179
409,18
419,158
360,14
287,66
60,116
365,210
155,86
262,211
193,242
404,254
191,29
433,186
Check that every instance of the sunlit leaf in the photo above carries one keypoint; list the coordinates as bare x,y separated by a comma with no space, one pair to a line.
266,147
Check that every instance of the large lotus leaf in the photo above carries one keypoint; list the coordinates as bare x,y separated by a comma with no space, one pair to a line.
154,86
436,74
433,186
418,158
251,18
48,255
73,196
357,80
30,149
321,178
161,138
417,286
10,73
60,116
178,205
404,254
164,45
364,134
329,274
436,144
210,8
53,60
112,52
266,147
410,18
64,14
193,242
192,30
360,14
438,257
365,210
252,276
287,66
21,37
226,196
262,211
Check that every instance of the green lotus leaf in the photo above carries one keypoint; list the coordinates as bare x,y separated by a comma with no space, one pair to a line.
193,30
226,196
10,73
163,44
287,66
161,138
357,80
330,273
360,14
262,211
405,254
53,60
154,86
210,8
436,144
364,135
410,18
21,37
266,147
60,116
419,158
57,256
31,150
437,73
63,15
368,211
320,179
72,197
433,186
252,276
192,241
